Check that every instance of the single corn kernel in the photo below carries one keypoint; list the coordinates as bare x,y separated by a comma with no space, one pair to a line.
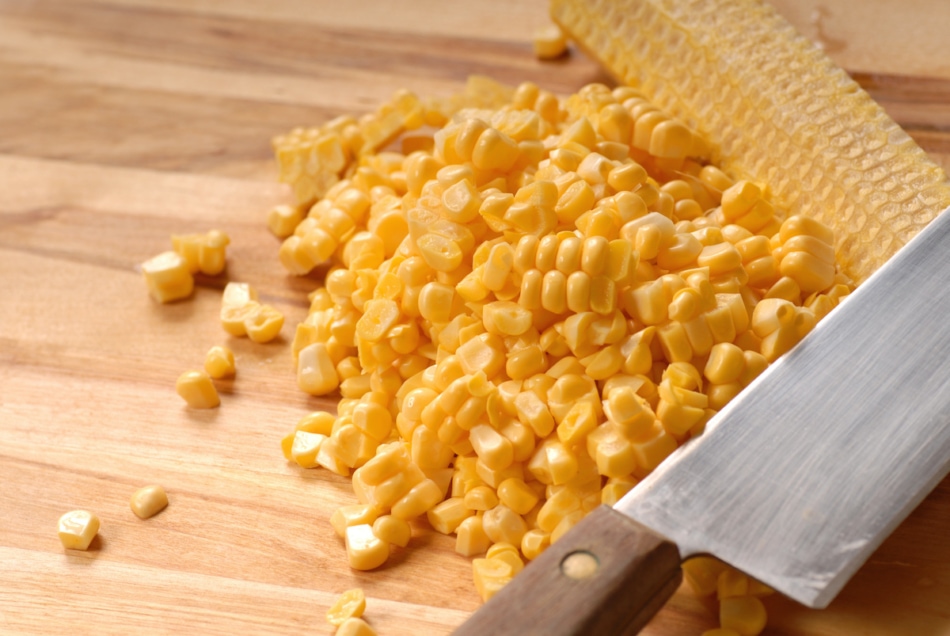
364,549
393,530
471,538
355,627
263,324
219,362
77,529
148,501
316,373
549,42
282,220
167,277
197,389
350,604
744,614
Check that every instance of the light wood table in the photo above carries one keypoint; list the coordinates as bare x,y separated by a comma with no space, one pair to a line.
123,121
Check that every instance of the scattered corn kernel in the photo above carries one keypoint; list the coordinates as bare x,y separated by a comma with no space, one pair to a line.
364,549
148,501
197,389
77,529
350,604
355,627
168,277
219,362
549,42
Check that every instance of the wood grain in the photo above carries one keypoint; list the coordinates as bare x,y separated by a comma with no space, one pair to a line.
123,121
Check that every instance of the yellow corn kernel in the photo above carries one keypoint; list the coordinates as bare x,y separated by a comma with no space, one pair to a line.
507,553
503,525
471,539
654,449
517,495
446,516
435,302
549,42
392,529
725,364
373,420
494,150
440,253
497,267
534,542
350,604
505,318
484,352
197,389
148,501
283,219
615,489
364,549
316,373
461,201
263,324
305,447
168,277
490,575
732,583
744,614
355,627
702,574
219,362
77,529
419,499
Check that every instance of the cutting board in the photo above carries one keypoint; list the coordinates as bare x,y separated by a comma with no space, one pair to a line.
124,121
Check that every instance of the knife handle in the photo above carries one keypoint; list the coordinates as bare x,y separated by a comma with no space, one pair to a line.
607,575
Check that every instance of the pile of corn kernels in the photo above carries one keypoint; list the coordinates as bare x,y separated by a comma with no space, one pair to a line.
530,302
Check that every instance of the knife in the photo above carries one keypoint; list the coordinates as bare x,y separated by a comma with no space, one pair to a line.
795,482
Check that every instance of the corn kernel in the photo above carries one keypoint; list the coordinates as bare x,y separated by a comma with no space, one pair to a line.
197,389
744,614
365,550
77,529
549,42
471,539
316,373
350,604
355,627
219,362
168,277
148,501
393,530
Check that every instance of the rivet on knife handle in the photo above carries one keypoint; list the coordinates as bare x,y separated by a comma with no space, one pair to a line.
608,575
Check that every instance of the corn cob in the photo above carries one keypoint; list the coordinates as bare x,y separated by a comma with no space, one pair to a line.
775,109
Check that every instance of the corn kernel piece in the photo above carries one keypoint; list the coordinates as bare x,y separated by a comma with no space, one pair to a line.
392,529
350,604
355,627
744,614
364,549
471,539
148,501
353,515
490,576
549,42
305,447
219,362
316,373
263,324
77,529
168,277
282,220
197,389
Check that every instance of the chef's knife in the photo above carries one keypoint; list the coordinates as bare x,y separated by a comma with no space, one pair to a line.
795,482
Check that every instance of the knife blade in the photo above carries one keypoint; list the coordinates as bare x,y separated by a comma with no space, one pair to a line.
795,482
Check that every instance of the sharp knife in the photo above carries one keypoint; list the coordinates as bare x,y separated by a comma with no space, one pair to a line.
796,482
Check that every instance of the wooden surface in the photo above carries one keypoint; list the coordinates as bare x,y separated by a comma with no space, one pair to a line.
123,121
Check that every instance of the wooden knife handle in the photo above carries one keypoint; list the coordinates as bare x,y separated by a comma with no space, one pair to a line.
608,575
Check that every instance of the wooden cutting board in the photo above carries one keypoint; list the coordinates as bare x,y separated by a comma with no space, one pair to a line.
123,121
